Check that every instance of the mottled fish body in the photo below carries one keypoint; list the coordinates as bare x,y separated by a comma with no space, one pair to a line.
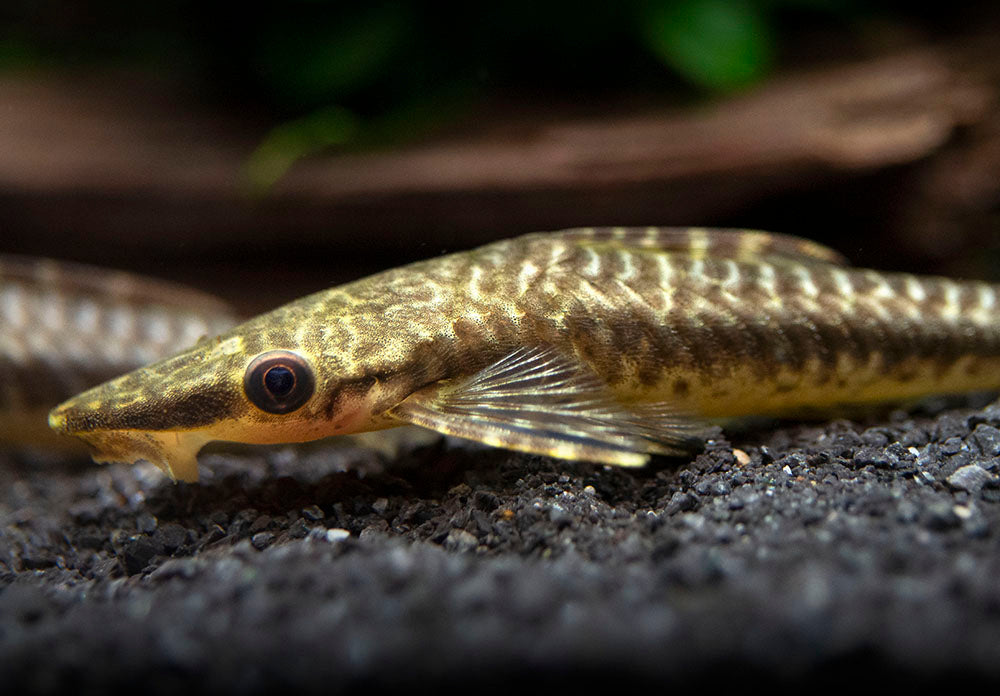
65,327
601,344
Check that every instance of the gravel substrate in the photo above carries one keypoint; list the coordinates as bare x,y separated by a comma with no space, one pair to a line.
839,554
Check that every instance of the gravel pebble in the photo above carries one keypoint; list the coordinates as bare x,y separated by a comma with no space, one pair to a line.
138,552
987,439
971,477
822,549
261,540
145,523
170,536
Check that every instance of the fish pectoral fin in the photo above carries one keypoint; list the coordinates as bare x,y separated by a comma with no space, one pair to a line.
535,400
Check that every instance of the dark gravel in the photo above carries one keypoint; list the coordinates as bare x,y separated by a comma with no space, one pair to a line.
838,555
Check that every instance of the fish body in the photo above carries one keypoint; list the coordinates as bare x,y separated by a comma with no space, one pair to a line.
606,344
65,327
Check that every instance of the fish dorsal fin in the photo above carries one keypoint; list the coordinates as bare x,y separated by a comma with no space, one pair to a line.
740,245
535,400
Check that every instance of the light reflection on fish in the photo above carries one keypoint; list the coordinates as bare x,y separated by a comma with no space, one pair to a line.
606,345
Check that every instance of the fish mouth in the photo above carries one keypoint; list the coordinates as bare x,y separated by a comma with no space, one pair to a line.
173,452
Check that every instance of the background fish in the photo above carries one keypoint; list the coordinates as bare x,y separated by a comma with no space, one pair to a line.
65,327
605,344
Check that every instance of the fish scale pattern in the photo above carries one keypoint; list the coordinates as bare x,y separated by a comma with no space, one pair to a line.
666,327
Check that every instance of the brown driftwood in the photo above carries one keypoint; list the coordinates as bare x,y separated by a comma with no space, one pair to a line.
136,169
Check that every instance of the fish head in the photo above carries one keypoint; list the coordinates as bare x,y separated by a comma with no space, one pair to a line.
254,384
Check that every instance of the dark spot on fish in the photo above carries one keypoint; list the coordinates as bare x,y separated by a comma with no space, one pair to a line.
347,391
898,285
681,387
787,285
950,349
802,341
650,365
694,340
968,297
728,342
862,284
858,339
590,336
169,411
196,408
636,339
824,282
757,337
467,332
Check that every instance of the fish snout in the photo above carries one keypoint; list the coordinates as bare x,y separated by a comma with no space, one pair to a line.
57,420
81,414
68,418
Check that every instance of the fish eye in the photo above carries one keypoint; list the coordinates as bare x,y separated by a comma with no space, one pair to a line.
278,381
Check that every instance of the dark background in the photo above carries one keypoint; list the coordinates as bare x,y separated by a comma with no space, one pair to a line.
264,152
309,142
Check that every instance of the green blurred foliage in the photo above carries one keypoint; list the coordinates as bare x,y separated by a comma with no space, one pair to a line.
292,140
334,73
330,60
717,44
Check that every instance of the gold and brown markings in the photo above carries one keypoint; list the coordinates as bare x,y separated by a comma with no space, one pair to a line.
65,327
704,242
736,333
606,344
862,336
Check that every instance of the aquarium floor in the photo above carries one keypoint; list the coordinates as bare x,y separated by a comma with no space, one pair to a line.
841,554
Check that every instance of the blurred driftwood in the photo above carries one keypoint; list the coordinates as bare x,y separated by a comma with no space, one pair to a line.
136,169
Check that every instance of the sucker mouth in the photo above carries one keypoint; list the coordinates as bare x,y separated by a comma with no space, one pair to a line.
174,453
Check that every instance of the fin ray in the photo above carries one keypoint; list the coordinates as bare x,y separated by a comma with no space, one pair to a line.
534,400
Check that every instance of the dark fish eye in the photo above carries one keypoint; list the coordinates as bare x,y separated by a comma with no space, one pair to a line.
278,381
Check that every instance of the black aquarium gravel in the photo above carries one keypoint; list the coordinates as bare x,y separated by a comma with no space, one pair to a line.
846,555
